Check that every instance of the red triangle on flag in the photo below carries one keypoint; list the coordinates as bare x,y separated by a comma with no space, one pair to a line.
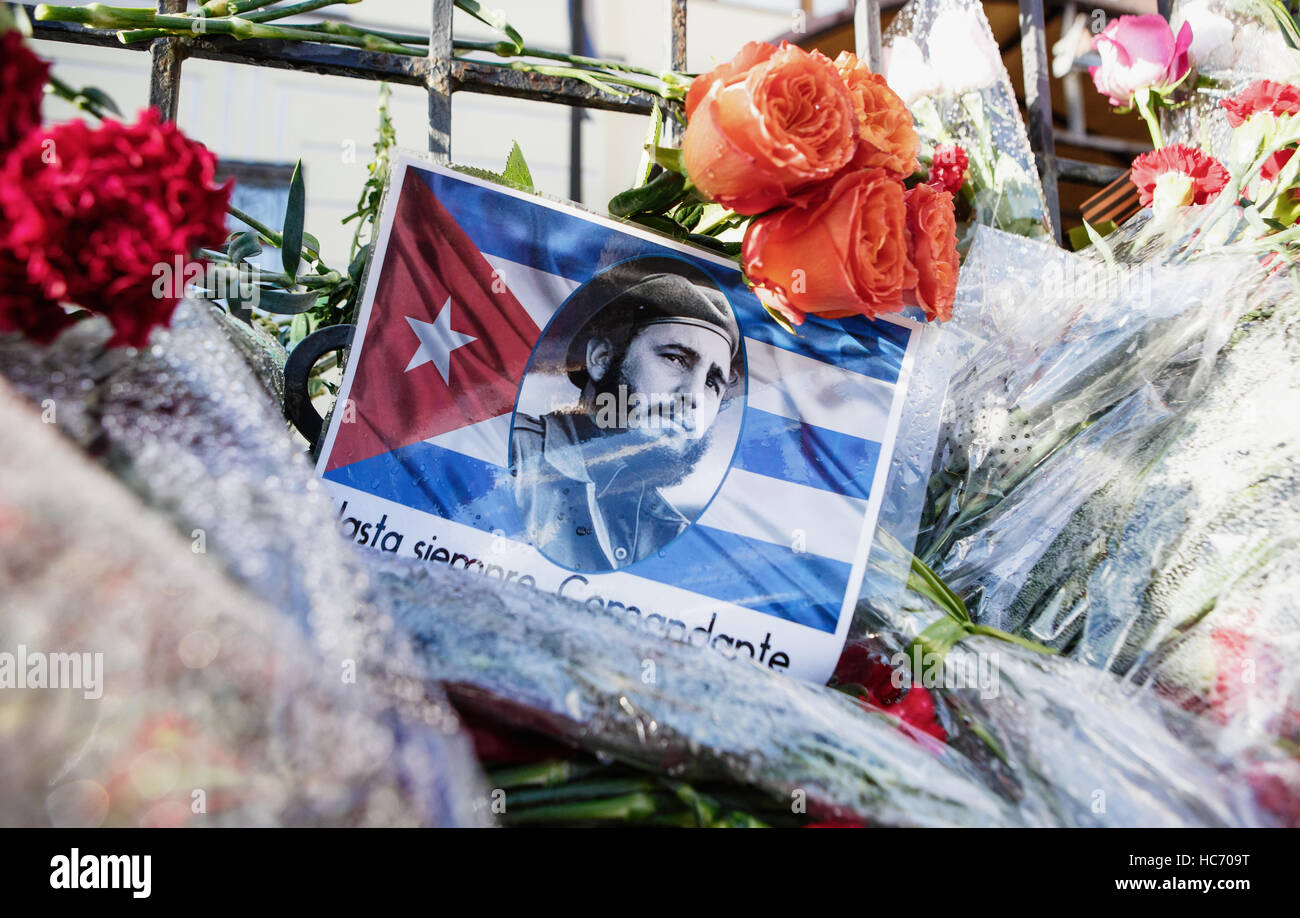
431,266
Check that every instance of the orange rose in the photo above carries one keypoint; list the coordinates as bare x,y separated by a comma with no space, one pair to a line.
886,138
932,234
841,251
754,141
732,71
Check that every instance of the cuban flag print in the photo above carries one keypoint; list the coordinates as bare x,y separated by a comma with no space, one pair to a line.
466,279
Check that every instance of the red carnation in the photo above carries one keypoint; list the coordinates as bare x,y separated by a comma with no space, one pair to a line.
1262,96
865,664
22,86
23,307
1276,163
1206,174
916,709
948,170
92,213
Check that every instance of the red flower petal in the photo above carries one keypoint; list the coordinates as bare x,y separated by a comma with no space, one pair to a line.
1207,174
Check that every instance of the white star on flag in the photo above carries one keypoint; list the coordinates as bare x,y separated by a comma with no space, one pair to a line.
437,341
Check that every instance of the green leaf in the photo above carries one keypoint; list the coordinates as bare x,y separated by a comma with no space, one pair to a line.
311,244
663,192
688,215
294,211
299,328
485,174
730,249
517,173
358,263
493,19
285,302
1101,245
659,224
243,246
653,133
1079,239
670,158
780,319
100,98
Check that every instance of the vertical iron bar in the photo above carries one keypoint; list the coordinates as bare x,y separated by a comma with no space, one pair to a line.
438,81
1165,7
679,35
165,56
1072,82
677,46
577,45
866,32
1038,98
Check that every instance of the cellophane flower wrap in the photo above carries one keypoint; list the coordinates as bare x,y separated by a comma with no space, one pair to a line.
941,58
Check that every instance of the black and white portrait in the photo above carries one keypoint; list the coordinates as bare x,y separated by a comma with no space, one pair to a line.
628,414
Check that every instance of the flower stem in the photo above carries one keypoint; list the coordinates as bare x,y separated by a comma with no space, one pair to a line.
293,9
627,808
1143,103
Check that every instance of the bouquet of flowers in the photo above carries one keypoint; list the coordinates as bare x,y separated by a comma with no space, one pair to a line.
817,160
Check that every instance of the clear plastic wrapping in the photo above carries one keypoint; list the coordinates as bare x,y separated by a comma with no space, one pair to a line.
941,57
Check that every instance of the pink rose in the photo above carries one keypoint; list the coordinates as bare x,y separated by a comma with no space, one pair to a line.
1137,53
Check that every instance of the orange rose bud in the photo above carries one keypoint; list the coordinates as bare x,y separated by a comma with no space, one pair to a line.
753,143
886,138
932,239
841,251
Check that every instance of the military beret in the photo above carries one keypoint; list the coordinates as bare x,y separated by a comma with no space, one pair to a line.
648,291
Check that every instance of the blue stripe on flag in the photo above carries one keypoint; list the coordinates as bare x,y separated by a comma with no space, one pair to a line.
803,454
757,575
566,245
447,484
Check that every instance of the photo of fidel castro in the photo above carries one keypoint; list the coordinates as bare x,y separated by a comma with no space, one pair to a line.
634,394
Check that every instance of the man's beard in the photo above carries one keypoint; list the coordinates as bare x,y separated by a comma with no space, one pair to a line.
646,449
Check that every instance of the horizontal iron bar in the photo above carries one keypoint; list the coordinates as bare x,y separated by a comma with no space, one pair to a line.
1074,170
1119,145
340,60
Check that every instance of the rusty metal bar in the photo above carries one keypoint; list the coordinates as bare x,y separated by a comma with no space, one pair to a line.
577,45
1038,99
438,81
339,60
866,32
166,55
678,41
1074,170
470,76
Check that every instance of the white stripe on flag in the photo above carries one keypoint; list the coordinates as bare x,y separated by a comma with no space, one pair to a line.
821,394
538,292
488,441
759,507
